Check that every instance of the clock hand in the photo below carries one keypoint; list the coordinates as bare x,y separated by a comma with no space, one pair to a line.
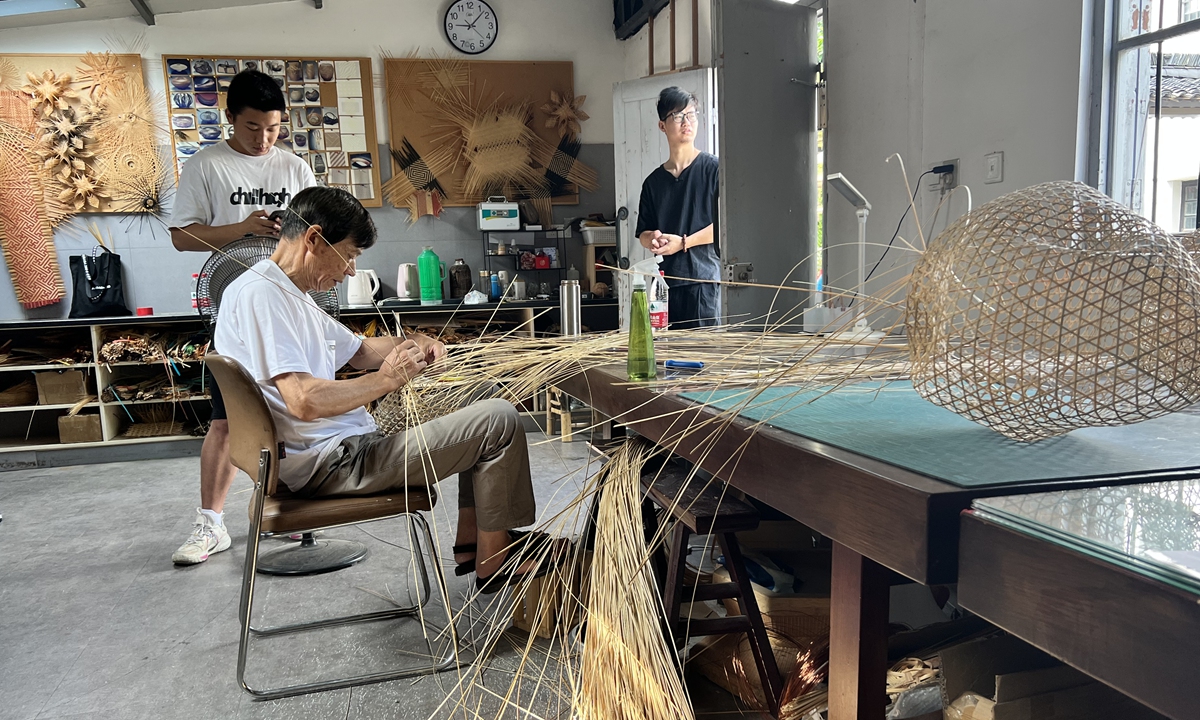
479,33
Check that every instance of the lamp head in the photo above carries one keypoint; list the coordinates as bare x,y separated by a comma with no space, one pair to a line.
839,182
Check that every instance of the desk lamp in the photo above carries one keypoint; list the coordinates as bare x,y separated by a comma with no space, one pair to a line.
862,209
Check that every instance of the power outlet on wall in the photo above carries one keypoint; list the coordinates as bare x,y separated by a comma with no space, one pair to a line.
943,182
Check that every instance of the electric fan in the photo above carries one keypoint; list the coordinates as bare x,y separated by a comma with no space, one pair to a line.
228,263
225,266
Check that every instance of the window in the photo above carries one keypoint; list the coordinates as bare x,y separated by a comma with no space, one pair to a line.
1187,206
1153,156
1189,10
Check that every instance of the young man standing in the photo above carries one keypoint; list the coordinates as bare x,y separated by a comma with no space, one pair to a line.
227,191
675,215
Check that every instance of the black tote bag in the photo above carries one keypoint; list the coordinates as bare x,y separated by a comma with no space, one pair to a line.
97,284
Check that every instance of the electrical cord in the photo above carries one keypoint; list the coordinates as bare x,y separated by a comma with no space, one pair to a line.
900,224
936,170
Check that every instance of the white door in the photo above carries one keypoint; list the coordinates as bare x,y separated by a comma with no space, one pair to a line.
641,147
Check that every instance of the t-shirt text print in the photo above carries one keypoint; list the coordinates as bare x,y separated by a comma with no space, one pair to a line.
221,186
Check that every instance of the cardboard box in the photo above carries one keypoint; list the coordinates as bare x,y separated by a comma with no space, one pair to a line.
79,429
1000,677
61,388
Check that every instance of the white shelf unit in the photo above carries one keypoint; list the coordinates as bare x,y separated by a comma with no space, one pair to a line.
34,427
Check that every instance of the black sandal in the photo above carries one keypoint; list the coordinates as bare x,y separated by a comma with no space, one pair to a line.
466,567
528,547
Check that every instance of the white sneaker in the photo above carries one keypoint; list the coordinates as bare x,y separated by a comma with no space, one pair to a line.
206,539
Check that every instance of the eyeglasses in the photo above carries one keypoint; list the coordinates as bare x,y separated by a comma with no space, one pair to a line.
679,118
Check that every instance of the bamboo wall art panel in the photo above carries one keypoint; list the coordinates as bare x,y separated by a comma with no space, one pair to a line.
462,131
329,122
77,134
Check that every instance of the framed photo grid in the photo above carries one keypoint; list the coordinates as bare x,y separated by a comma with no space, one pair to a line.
329,121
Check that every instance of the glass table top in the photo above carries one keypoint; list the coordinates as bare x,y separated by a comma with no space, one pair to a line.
1152,529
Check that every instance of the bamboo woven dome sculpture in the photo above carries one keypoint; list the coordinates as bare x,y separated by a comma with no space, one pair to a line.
1055,308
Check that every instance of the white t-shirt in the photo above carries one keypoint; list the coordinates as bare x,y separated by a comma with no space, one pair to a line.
272,327
221,186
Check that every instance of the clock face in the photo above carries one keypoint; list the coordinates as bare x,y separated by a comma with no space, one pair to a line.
471,26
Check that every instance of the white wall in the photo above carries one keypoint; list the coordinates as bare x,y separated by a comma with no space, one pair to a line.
576,30
942,79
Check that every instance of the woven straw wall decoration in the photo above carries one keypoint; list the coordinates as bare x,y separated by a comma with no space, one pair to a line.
1055,308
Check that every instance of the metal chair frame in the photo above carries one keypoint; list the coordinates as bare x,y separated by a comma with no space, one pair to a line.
266,478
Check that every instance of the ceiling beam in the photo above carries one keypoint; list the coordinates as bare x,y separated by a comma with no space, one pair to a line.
144,10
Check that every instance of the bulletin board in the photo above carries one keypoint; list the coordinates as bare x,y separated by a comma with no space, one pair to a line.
416,90
329,123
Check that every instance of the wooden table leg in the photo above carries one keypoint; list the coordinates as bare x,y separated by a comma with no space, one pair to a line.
858,627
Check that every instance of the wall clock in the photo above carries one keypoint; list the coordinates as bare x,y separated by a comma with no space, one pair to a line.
471,26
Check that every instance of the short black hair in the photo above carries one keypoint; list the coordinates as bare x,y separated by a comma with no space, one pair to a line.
673,99
255,90
339,214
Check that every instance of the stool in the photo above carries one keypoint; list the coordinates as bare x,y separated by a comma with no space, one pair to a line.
558,407
699,508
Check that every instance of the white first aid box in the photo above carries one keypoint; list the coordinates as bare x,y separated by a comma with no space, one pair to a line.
498,214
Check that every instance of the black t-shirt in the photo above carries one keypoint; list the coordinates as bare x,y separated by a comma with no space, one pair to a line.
683,205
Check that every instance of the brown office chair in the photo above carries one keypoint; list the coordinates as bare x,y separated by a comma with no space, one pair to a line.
253,447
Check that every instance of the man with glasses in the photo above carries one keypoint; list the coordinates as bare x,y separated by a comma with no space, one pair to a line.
675,215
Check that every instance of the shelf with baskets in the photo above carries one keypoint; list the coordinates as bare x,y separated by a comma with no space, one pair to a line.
54,393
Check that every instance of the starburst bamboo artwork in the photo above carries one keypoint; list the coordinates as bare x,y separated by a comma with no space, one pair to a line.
566,113
486,120
48,92
100,74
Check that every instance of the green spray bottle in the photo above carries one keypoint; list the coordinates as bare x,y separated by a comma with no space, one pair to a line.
640,365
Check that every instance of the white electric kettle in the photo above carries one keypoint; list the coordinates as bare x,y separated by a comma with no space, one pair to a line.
408,282
361,288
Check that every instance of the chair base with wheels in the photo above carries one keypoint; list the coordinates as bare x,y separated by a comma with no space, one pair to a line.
255,449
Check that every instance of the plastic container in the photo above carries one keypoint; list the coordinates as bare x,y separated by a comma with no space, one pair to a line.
494,295
660,304
640,364
431,271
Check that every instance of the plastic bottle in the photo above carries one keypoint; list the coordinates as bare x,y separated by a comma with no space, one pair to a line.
640,365
430,271
659,304
495,293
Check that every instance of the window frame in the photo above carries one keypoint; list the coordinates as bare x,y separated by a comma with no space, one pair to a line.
1106,49
1194,186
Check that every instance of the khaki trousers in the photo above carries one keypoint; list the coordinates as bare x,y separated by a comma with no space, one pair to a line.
484,443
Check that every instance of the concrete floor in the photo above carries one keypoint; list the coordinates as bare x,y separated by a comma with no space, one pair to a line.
95,621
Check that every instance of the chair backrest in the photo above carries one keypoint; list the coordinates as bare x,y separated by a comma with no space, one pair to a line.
251,427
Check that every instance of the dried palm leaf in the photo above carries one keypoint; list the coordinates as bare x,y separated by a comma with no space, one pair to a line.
10,77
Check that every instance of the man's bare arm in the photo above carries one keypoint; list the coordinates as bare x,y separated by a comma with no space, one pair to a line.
310,398
373,350
206,238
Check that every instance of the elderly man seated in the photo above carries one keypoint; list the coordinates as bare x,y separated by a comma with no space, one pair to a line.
270,325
